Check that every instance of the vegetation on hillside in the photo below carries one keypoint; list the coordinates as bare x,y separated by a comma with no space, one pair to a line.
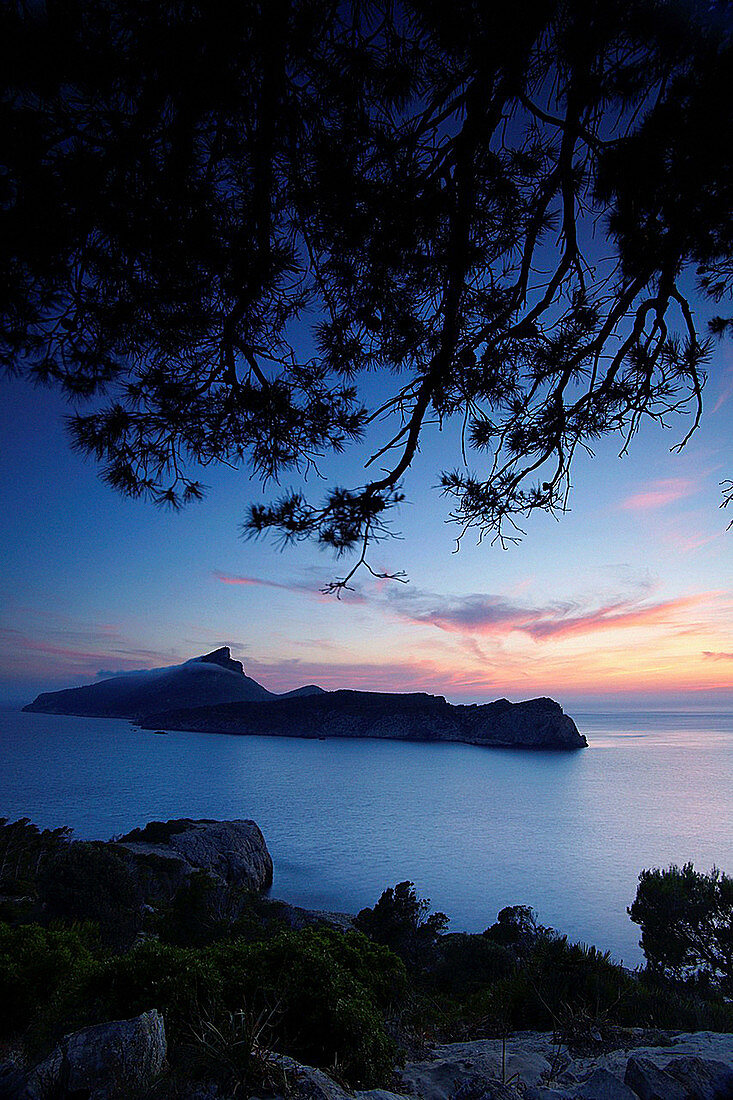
236,982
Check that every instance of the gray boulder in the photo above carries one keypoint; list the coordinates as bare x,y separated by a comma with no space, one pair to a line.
166,854
105,1062
649,1082
602,1085
12,1080
703,1078
475,1066
541,1092
378,1094
299,1080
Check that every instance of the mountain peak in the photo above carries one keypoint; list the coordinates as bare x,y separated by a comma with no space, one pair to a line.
223,658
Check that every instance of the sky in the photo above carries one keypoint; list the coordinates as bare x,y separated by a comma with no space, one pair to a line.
626,602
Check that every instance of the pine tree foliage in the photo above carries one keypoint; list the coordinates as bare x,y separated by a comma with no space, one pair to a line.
219,221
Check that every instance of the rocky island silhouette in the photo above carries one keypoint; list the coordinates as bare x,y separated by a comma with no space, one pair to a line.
213,694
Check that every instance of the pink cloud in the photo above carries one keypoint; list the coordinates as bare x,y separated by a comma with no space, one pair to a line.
494,615
64,656
712,656
686,543
260,582
310,589
613,618
658,494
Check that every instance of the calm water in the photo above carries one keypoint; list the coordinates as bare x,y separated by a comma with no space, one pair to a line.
475,829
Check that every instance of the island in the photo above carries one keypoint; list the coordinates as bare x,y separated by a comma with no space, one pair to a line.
535,723
212,694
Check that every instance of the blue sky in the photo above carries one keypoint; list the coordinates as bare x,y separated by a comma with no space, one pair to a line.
626,601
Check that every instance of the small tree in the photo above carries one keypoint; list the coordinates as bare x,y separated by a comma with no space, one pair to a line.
686,921
403,921
23,849
516,926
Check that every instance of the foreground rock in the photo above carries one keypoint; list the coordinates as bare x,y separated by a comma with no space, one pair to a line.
104,1062
165,854
669,1066
213,678
535,723
535,1068
122,1059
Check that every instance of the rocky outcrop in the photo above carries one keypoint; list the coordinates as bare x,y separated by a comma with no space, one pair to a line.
477,1064
535,723
104,1062
165,854
703,1078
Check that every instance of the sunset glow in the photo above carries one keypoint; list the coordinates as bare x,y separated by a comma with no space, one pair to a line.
629,595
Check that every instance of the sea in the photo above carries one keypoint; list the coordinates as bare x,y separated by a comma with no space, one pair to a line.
475,829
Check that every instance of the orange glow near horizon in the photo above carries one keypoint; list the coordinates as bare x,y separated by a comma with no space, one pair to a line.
471,647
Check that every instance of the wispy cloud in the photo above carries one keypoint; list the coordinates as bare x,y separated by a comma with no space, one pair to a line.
726,389
311,588
61,655
658,494
713,656
261,582
494,615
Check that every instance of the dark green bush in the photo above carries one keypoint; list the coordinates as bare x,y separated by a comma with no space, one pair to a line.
260,918
330,991
24,848
91,882
202,911
184,984
466,963
659,1003
516,926
579,992
34,963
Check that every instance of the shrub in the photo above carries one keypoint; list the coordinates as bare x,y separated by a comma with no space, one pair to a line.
330,993
90,882
181,982
87,881
330,990
578,992
24,848
202,911
657,1003
34,963
466,963
516,926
